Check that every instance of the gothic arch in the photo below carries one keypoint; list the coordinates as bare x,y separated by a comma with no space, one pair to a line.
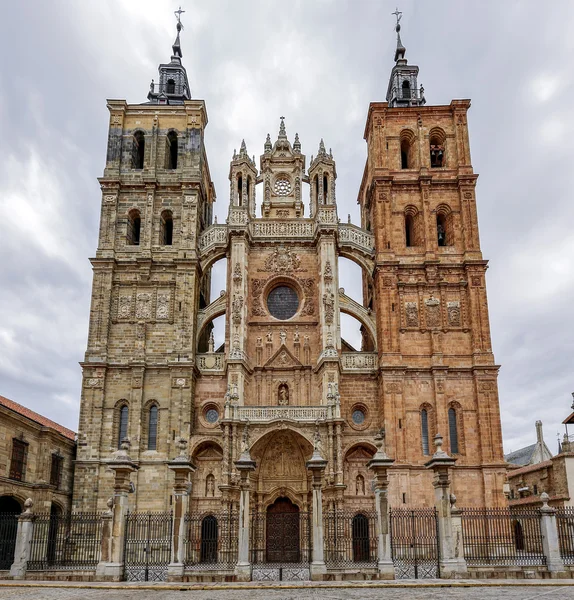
349,306
203,443
257,443
283,492
361,442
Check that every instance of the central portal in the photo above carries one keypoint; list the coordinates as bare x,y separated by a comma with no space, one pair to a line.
283,532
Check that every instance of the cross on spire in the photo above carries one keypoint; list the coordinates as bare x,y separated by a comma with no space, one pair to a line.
178,14
398,14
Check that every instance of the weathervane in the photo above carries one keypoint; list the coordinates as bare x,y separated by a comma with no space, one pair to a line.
177,14
398,14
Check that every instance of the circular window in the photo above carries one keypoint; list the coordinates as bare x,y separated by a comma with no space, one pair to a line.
212,415
358,416
283,302
282,187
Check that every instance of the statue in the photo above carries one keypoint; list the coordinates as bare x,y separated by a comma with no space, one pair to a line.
296,336
259,341
245,439
306,341
211,343
210,485
283,395
360,485
269,337
151,86
283,337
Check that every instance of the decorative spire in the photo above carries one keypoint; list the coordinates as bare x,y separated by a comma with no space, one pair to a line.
297,144
243,150
268,146
176,45
322,151
400,51
282,132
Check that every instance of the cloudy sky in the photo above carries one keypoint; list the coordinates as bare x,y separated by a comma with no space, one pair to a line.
319,63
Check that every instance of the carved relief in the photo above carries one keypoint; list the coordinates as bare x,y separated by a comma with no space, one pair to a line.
308,286
328,273
393,387
162,309
237,276
283,213
143,306
282,260
125,307
329,305
236,307
412,314
283,395
453,312
432,312
360,486
257,286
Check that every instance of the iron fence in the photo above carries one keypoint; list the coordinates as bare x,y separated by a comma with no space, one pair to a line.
414,543
211,541
65,541
502,536
565,526
8,532
350,538
147,546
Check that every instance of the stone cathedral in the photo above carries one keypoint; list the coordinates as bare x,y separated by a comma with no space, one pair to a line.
153,380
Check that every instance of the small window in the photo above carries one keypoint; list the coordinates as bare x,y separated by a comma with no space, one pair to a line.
239,189
248,187
171,150
123,424
166,229
425,431
406,90
152,428
453,431
138,150
404,156
19,458
409,231
325,189
436,155
170,86
317,188
535,490
133,229
441,230
56,470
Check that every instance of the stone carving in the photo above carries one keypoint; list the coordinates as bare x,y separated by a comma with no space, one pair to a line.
180,382
237,216
94,382
257,286
269,337
210,362
393,387
328,273
109,198
360,486
283,395
213,236
258,414
329,305
285,229
453,312
476,281
211,342
412,314
433,312
282,337
143,306
282,260
259,342
308,286
351,234
236,307
283,213
237,275
124,307
162,309
235,350
296,336
359,361
306,341
210,485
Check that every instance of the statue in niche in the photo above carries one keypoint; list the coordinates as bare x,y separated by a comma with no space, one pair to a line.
283,337
210,485
296,335
269,337
360,485
283,395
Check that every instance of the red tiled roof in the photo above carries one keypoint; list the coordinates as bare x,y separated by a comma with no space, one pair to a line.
529,468
34,416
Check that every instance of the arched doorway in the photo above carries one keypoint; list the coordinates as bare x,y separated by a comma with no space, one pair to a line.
53,533
209,537
282,540
361,542
10,508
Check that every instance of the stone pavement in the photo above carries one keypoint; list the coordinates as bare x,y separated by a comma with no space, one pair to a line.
460,590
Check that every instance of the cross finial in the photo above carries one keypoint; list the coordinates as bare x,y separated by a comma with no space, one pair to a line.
178,14
398,14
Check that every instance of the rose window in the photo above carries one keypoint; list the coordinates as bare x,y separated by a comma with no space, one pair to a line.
282,187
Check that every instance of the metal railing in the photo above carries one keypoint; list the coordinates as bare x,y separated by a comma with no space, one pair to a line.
565,526
8,532
350,538
211,541
502,537
65,541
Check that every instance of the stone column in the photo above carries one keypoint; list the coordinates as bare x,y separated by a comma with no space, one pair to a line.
316,465
549,531
451,565
244,465
122,466
106,542
182,468
23,539
379,465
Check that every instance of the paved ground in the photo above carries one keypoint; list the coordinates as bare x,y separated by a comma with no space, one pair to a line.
526,592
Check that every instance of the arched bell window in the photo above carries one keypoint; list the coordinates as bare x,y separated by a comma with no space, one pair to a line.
171,150
166,228
138,150
133,228
170,88
406,88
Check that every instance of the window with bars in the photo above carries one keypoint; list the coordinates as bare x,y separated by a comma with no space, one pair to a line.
425,431
123,425
453,431
18,462
152,428
56,470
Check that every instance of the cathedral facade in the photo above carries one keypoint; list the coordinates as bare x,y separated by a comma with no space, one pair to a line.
153,377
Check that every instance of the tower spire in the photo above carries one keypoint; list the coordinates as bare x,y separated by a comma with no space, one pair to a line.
403,87
173,87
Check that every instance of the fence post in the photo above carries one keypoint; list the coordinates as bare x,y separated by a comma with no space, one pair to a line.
549,531
316,465
182,468
244,465
452,563
123,467
106,543
380,464
23,539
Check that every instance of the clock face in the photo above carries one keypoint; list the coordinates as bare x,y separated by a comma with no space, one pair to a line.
283,302
282,186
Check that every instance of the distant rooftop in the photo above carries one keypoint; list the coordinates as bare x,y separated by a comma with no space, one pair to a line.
34,416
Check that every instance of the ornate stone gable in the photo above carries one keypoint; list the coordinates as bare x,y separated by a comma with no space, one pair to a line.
282,359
